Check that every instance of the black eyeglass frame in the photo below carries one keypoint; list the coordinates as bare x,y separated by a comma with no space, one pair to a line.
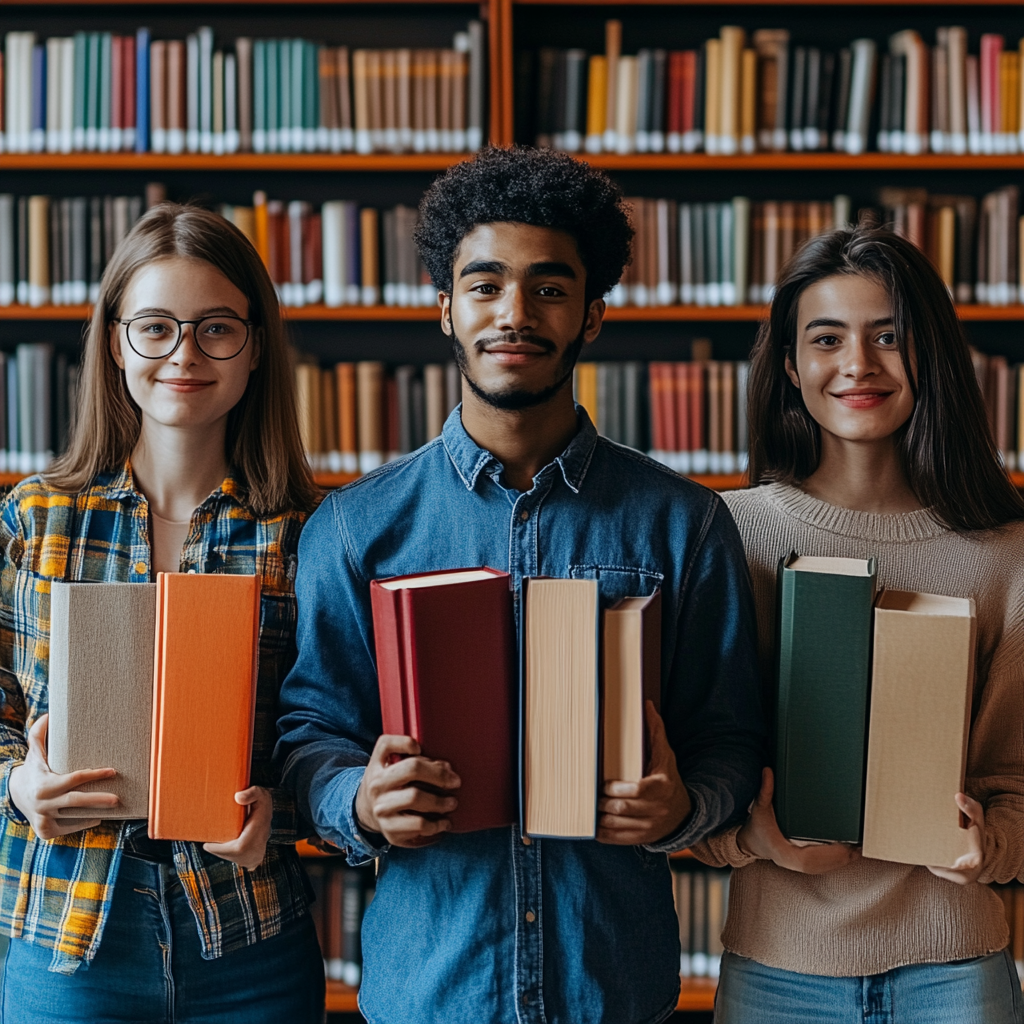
249,324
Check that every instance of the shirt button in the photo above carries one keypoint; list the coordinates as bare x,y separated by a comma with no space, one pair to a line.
530,917
524,515
527,840
140,567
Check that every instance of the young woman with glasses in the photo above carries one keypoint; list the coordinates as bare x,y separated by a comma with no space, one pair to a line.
185,457
869,438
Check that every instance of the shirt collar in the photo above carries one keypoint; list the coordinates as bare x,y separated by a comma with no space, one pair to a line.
470,460
121,484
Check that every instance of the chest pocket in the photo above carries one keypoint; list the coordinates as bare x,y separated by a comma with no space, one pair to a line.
615,582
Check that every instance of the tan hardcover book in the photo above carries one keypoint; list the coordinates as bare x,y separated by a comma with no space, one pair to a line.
713,95
612,51
586,389
370,404
625,106
403,69
38,250
389,96
344,89
362,102
158,95
375,96
101,689
560,664
419,100
328,72
945,236
921,690
732,39
369,256
956,44
772,46
345,391
431,89
433,386
307,395
727,377
631,676
771,264
243,54
748,102
245,221
444,98
207,629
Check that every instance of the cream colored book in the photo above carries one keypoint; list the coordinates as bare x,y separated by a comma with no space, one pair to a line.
732,39
102,639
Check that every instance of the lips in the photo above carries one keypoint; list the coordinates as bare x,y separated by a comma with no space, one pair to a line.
862,399
514,354
184,385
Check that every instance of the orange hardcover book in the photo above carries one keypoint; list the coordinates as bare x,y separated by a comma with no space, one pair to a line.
204,685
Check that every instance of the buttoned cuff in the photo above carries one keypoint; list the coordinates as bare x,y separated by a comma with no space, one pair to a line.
6,803
345,832
694,826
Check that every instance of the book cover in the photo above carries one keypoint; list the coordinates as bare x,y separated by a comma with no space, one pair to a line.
823,681
921,690
101,689
445,662
559,680
207,630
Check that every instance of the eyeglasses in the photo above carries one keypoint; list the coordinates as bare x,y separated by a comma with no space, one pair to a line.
158,337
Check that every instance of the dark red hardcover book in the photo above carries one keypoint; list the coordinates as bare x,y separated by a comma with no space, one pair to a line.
446,669
674,121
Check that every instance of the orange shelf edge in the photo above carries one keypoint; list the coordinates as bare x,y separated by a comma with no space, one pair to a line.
622,314
230,162
694,994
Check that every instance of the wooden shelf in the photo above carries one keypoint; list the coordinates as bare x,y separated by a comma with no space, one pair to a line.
694,994
230,162
746,3
803,162
628,314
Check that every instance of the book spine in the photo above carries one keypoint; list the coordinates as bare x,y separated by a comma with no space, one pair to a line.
475,121
232,135
245,93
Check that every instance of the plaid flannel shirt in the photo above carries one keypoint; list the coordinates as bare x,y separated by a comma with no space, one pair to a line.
58,893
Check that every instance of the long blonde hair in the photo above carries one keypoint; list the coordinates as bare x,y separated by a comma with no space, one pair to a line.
263,444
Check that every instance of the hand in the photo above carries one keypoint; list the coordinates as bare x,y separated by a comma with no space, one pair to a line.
637,813
406,801
968,867
761,837
249,849
40,794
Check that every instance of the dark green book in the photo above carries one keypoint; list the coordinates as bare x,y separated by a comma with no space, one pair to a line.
824,679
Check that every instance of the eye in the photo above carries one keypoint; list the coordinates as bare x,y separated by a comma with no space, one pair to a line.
549,291
826,341
887,340
485,288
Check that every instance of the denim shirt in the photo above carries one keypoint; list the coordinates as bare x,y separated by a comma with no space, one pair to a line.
492,926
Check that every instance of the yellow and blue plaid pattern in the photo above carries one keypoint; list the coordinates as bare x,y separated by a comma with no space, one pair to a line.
58,893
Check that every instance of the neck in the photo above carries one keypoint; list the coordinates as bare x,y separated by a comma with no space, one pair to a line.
524,441
861,475
177,469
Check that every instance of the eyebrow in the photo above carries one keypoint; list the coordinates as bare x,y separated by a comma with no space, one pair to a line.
212,311
882,321
549,268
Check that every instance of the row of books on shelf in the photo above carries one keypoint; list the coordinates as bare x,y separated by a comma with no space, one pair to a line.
104,92
734,95
701,897
342,895
724,254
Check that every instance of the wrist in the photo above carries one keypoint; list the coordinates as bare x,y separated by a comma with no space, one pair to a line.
366,820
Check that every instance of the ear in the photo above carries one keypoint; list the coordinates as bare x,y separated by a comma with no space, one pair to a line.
791,370
594,320
114,335
444,301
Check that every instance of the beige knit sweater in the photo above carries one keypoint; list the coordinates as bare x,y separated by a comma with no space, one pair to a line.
872,915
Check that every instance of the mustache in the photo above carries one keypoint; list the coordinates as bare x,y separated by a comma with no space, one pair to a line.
515,338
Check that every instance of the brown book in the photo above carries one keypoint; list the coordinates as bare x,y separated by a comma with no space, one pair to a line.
714,420
389,98
559,664
207,629
175,96
369,256
361,105
631,676
444,98
158,95
772,248
748,102
612,50
328,413
345,391
344,96
772,46
101,693
403,68
921,690
370,403
375,97
728,414
328,74
431,102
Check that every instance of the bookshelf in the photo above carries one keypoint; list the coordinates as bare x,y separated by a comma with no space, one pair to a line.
386,178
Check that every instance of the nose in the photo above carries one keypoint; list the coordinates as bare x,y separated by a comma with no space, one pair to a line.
858,359
188,351
514,311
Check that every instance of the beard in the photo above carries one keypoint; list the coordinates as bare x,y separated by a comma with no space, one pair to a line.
513,399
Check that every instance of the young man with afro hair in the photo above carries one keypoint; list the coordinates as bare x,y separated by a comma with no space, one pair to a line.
496,926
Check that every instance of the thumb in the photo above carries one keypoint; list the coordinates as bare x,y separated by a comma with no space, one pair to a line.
248,796
37,736
656,730
971,808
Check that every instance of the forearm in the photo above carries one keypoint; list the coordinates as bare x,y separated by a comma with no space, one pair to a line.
722,850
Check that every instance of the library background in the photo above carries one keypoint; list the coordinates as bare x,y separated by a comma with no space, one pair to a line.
738,131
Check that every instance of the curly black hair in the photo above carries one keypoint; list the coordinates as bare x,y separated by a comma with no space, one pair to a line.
527,186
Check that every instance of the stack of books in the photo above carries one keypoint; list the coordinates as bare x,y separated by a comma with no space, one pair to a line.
103,92
738,95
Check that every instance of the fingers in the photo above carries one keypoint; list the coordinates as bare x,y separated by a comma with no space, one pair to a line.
624,790
76,800
420,770
51,829
816,860
413,800
413,830
57,784
764,798
387,747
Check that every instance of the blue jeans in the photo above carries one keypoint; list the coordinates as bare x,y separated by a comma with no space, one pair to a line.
148,969
984,990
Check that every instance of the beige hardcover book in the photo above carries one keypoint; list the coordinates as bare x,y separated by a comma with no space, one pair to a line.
625,109
431,76
369,256
307,400
101,688
370,413
946,236
740,248
38,250
956,44
560,702
344,89
362,102
748,102
389,97
631,675
921,690
732,39
403,66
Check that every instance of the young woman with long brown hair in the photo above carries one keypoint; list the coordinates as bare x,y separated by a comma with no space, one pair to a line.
186,457
869,439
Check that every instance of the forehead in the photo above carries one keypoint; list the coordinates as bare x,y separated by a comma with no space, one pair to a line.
517,246
851,297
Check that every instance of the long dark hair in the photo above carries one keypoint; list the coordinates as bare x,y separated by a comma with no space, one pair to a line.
948,453
263,442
